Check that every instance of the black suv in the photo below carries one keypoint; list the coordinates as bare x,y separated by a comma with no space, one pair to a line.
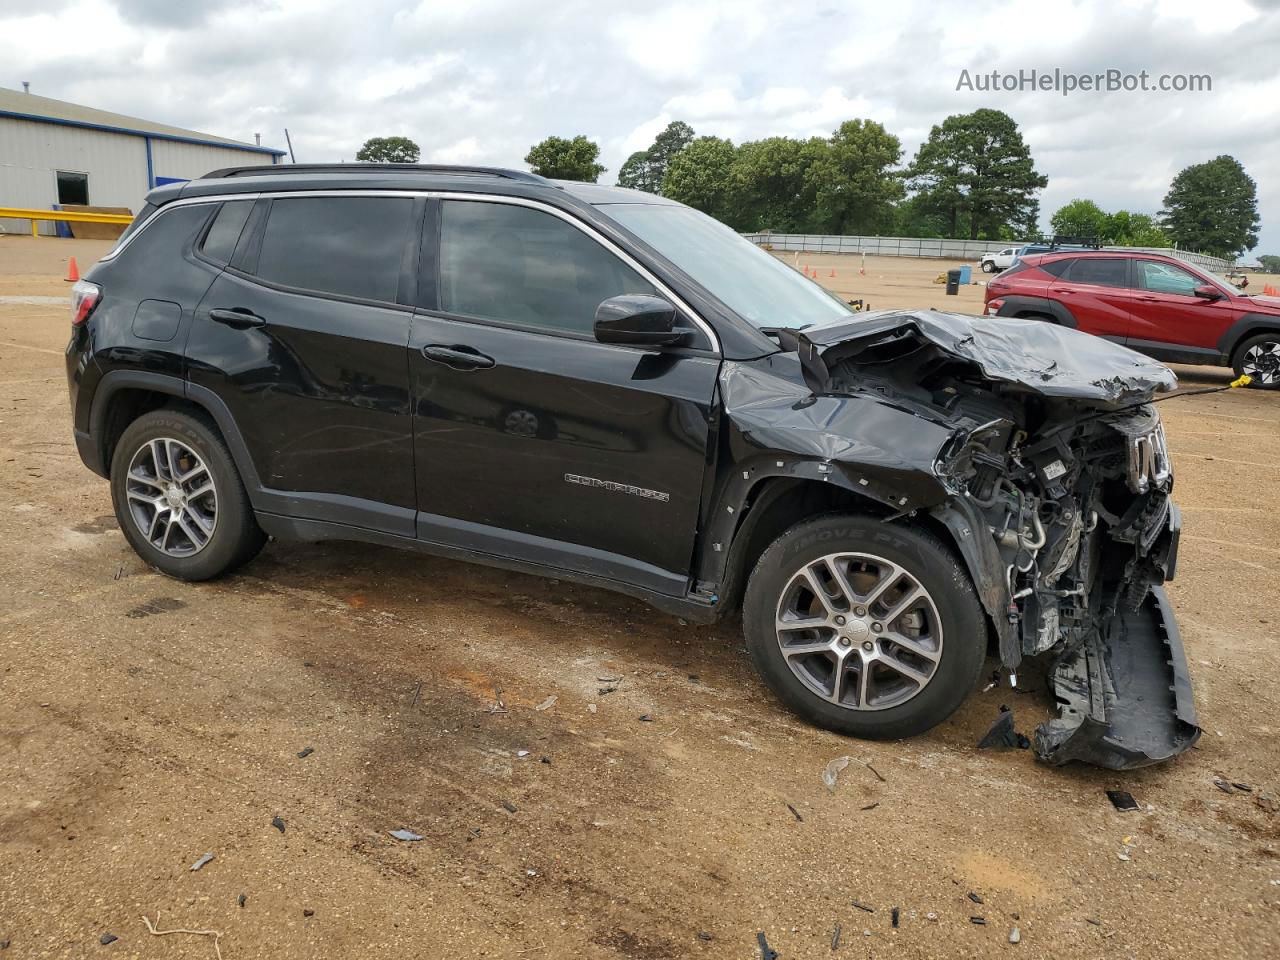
602,385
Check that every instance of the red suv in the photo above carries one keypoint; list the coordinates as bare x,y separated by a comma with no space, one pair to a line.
1157,305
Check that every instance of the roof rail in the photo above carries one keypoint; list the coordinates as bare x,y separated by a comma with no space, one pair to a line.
277,169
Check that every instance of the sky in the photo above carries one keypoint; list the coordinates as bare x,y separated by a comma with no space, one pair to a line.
480,81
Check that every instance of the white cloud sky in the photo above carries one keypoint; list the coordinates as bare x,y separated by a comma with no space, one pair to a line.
482,80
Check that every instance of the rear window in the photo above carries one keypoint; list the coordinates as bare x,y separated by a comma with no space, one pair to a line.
1100,271
224,233
1057,267
350,246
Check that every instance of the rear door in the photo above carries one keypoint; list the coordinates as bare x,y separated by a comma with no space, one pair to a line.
1169,321
1096,292
533,440
303,337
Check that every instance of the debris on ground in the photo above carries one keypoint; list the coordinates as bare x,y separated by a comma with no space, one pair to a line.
894,916
1122,800
522,753
1223,785
795,813
863,907
605,691
1001,733
766,952
548,703
591,708
835,938
241,900
308,913
306,752
406,835
107,938
832,772
277,823
608,679
931,916
871,806
879,775
510,807
201,862
151,928
1015,935
976,898
1267,803
645,718
979,921
704,936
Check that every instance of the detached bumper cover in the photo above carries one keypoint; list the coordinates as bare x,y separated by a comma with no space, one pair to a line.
1124,697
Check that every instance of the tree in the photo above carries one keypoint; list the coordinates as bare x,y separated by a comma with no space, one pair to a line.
562,159
769,188
852,179
699,176
637,173
1081,218
646,169
977,172
388,150
1213,207
1270,263
1135,230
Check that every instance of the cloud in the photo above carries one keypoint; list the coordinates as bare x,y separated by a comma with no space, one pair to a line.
479,82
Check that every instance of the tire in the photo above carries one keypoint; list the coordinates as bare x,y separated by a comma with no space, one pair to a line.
988,266
949,622
212,529
1260,358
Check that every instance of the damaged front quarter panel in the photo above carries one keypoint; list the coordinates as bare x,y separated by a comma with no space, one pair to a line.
1037,448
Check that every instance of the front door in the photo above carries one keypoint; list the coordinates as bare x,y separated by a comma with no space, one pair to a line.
533,441
303,339
1169,321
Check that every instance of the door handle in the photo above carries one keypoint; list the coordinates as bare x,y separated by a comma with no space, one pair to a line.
459,357
1149,299
1061,290
237,318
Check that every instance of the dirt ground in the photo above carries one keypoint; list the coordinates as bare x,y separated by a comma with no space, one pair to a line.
145,722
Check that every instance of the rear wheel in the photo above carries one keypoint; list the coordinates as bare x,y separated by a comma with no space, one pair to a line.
1259,358
864,628
179,499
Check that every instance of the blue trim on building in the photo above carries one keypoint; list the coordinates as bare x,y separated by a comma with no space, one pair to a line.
147,134
151,167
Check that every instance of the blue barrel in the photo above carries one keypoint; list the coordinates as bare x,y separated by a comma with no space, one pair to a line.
966,273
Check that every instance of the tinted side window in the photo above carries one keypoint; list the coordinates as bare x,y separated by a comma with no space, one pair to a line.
1166,278
1100,271
1057,267
509,263
220,241
350,246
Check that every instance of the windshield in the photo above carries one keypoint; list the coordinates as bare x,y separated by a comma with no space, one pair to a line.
750,281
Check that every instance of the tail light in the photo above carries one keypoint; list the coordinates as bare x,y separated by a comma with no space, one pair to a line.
992,307
84,297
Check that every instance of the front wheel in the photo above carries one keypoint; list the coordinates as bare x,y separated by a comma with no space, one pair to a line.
988,266
864,628
1259,357
179,499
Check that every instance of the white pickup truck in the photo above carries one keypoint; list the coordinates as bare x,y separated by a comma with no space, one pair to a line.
1003,260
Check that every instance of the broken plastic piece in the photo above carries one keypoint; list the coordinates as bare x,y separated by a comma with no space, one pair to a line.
278,824
548,703
766,953
202,861
1001,733
1122,800
1015,935
407,835
305,752
107,938
863,907
976,898
832,772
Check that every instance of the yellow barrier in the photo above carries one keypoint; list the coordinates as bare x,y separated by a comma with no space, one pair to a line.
72,216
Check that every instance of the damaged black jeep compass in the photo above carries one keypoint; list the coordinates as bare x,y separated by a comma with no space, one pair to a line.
599,384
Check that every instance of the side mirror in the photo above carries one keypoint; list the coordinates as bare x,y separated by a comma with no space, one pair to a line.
1208,292
639,321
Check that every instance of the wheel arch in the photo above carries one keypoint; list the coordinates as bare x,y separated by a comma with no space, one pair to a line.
1246,329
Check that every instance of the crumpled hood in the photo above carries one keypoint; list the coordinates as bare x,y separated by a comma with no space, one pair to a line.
1041,357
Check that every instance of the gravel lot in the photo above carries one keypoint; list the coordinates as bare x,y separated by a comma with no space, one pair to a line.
145,722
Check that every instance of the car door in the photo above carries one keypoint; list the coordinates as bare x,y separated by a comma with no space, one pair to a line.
533,441
303,339
1096,292
1169,321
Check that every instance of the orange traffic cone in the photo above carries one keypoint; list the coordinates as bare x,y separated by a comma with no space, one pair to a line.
806,269
73,272
833,272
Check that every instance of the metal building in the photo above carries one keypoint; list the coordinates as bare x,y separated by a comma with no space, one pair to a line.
53,153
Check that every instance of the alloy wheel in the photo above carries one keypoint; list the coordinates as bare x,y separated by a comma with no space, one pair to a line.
859,631
1262,362
172,497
